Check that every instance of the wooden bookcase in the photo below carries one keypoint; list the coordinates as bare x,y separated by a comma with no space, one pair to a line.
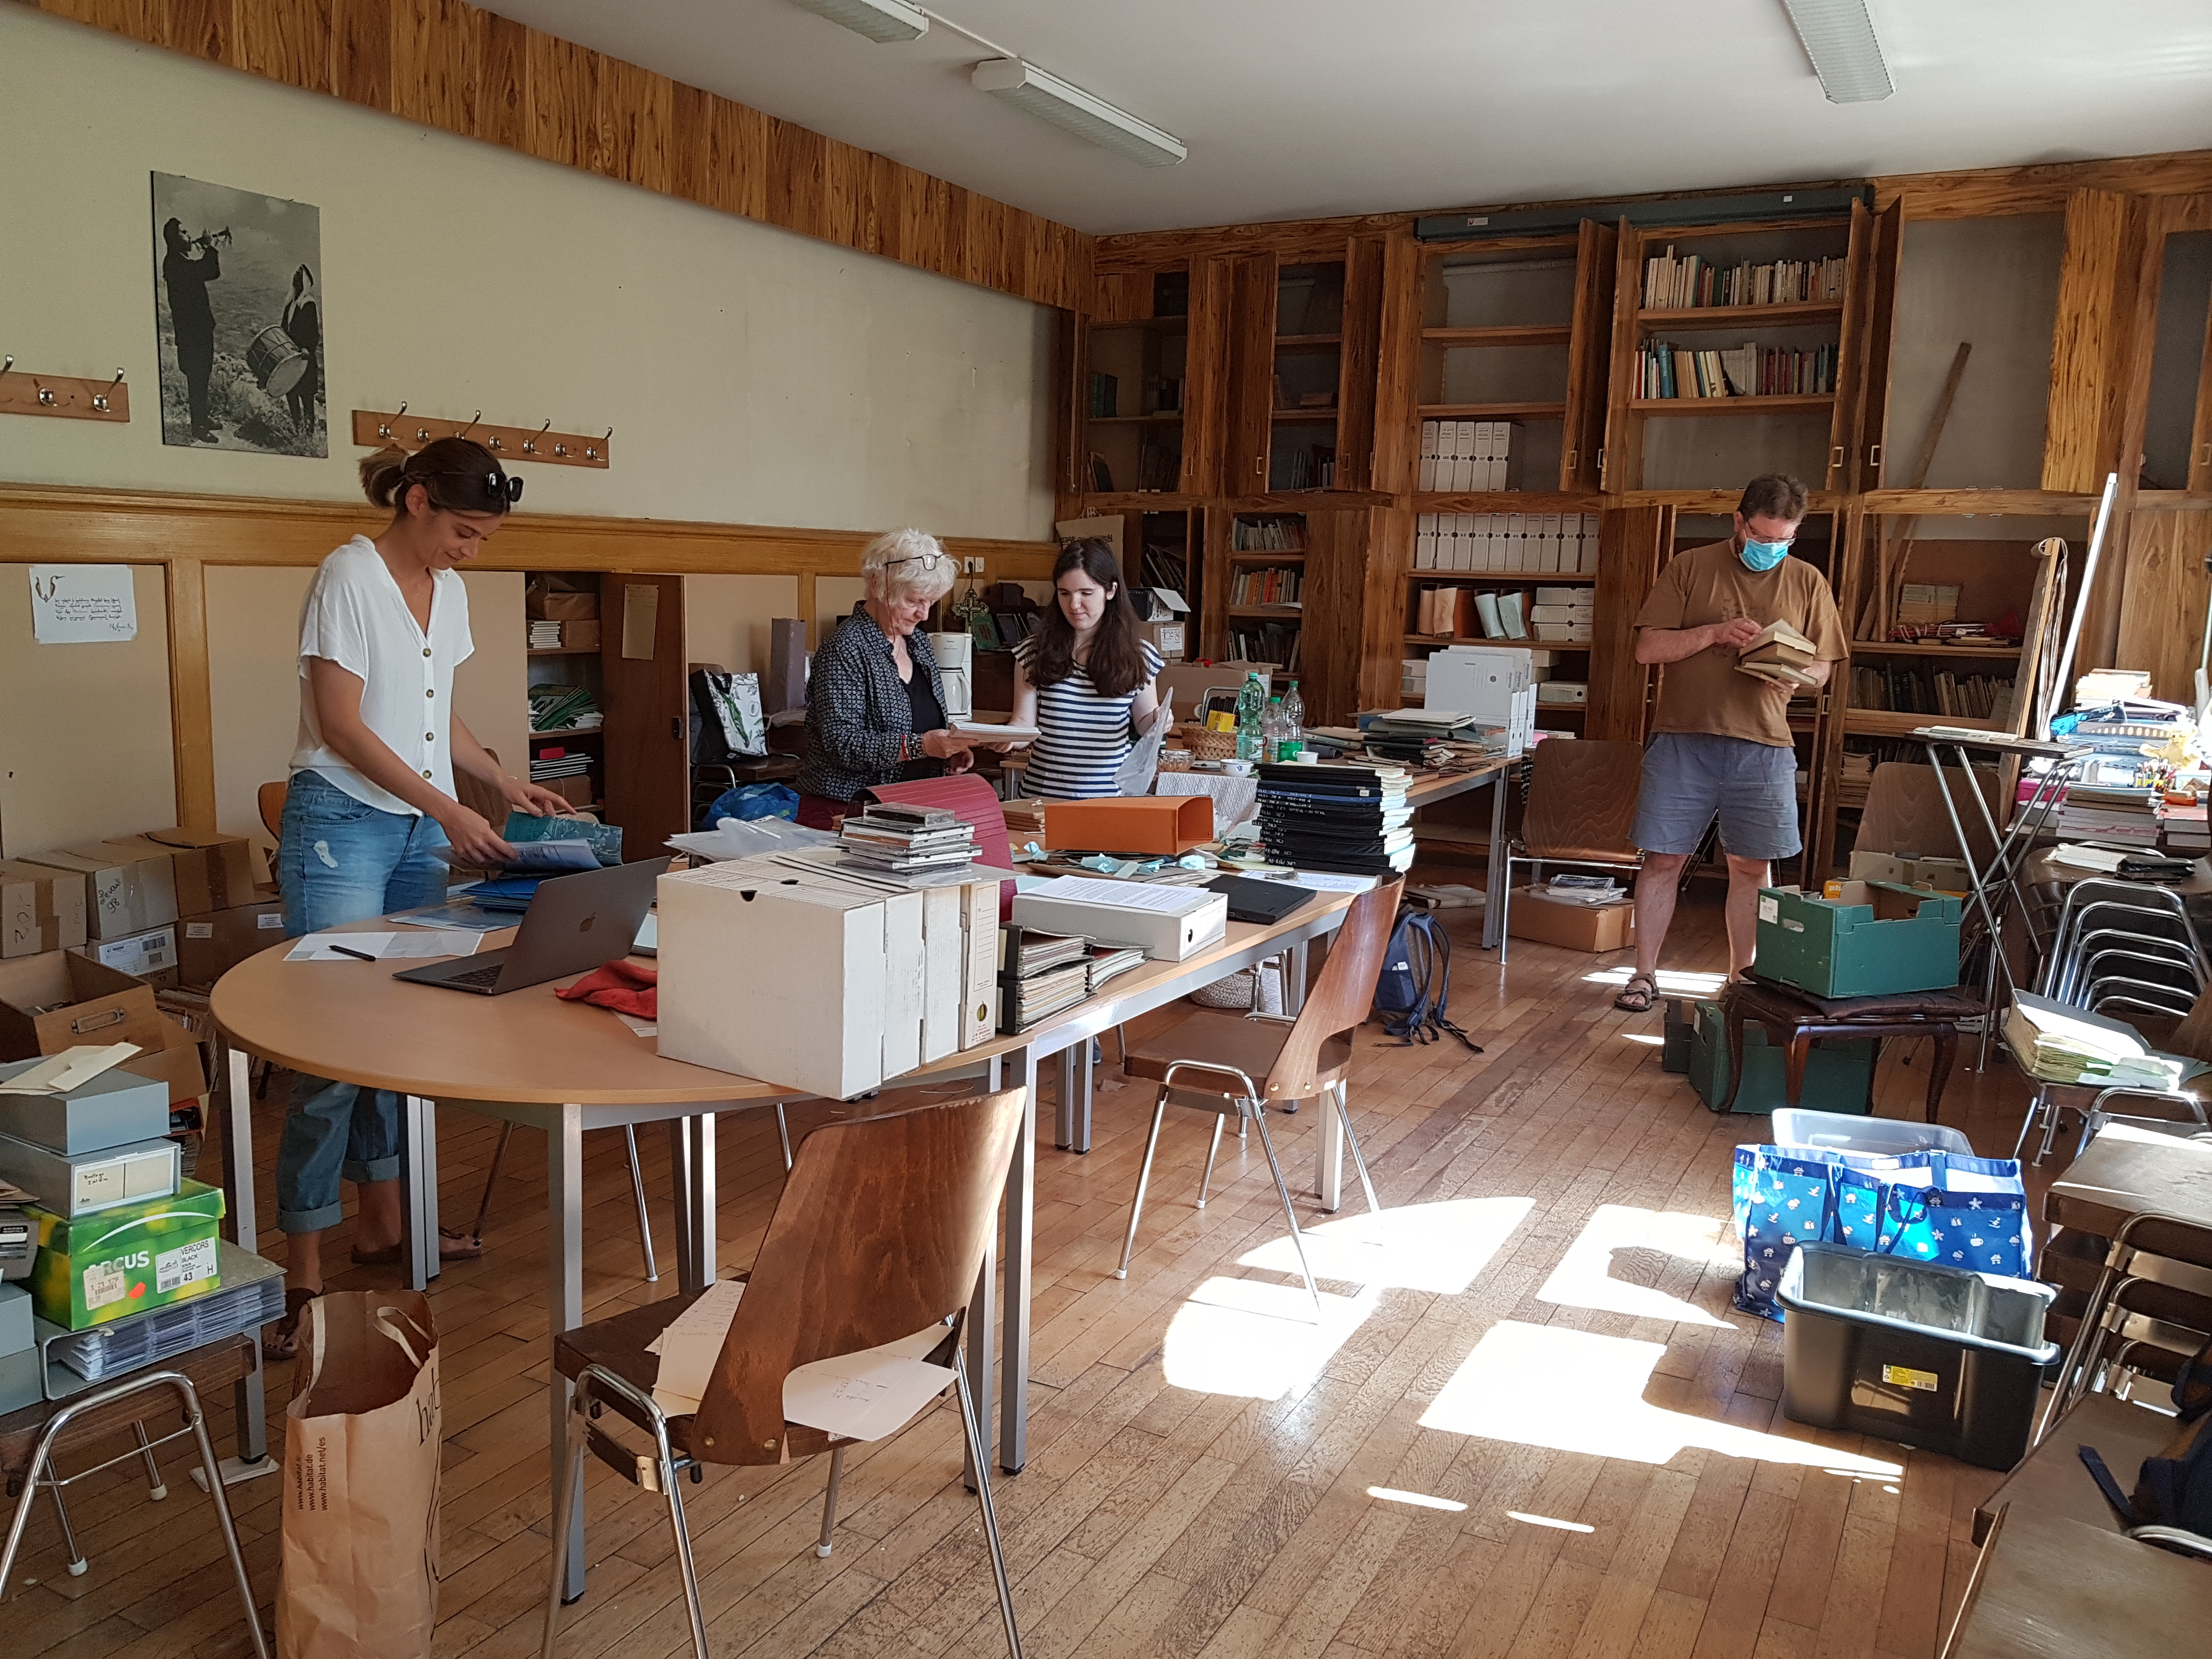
1133,387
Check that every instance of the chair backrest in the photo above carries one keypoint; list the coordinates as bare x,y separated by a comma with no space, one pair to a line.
272,802
1905,816
1341,999
880,1232
1582,796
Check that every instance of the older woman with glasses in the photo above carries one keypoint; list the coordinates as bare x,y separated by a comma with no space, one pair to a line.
875,701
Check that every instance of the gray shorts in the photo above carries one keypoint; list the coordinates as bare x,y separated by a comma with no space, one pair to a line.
1691,776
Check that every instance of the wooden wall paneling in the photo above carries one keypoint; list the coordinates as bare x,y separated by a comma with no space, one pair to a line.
361,51
202,28
846,180
1620,459
292,44
502,110
1389,572
2200,435
1070,378
646,748
1994,193
1398,370
1843,413
191,708
2163,602
1631,545
1332,646
738,158
437,48
2089,350
1251,370
1359,361
1205,381
1213,585
1850,564
795,181
563,98
950,204
1590,354
1884,262
1122,296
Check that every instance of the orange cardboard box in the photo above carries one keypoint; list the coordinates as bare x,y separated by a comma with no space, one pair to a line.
1168,824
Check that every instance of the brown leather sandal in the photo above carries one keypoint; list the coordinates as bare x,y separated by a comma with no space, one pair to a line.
281,1341
453,1245
1637,995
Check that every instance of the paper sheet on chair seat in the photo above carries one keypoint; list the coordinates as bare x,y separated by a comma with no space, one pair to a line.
869,1395
690,1346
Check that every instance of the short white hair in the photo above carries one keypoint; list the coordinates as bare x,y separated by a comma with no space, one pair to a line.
883,567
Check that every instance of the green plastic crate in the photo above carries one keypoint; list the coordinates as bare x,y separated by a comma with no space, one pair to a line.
1874,940
1838,1073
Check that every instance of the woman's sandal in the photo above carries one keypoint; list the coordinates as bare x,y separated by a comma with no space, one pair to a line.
453,1245
1636,996
282,1341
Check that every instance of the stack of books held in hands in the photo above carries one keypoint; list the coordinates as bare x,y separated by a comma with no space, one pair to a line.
1352,820
2059,1044
1039,975
1780,653
904,840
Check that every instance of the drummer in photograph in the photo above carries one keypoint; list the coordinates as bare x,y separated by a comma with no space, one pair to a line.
303,324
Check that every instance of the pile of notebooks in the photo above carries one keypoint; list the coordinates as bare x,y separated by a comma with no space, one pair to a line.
549,764
1039,975
2059,1044
1107,961
564,708
908,840
1352,820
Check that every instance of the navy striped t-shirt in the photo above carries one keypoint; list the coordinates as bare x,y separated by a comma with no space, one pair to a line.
1085,735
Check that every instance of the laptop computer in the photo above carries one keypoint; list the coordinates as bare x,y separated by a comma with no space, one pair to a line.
574,924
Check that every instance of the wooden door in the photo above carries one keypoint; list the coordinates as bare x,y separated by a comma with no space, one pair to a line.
648,735
1359,362
1620,459
1843,413
1883,264
1251,376
1633,542
1590,355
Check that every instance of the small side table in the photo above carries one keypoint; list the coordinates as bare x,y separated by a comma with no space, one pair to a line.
1795,1018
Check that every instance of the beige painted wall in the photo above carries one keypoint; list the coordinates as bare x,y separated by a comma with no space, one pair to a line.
253,634
750,375
834,599
85,750
726,618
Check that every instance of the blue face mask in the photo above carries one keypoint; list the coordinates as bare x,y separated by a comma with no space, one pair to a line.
1763,556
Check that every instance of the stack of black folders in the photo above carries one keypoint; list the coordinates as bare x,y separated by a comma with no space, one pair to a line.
1350,819
1039,975
900,839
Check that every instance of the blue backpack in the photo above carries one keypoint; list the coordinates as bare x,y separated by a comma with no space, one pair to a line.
1412,991
2174,1488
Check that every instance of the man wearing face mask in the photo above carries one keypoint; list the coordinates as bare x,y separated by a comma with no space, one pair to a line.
1721,744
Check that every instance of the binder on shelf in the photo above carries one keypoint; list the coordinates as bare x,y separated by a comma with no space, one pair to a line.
1486,612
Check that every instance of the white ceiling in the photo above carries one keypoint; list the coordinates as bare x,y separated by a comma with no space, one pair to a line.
1297,108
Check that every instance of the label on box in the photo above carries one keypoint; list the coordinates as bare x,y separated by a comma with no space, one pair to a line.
187,1265
271,923
1770,910
1904,1376
104,1283
199,930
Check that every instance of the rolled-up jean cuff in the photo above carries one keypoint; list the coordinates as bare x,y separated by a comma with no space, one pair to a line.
310,1221
379,1168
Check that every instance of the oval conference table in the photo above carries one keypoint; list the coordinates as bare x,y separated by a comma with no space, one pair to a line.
566,1068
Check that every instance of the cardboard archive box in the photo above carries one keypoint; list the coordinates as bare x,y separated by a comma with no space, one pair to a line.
1535,915
1875,937
127,889
212,871
209,946
150,955
125,1260
1197,920
41,908
1944,875
83,1184
51,1002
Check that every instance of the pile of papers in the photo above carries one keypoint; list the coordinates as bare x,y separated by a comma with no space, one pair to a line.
2058,1044
900,839
1350,819
1108,961
1584,889
544,635
549,764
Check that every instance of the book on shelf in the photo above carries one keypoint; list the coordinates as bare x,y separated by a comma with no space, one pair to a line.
1690,282
1463,456
1267,535
1904,687
1267,585
1105,396
1304,466
1664,370
1276,642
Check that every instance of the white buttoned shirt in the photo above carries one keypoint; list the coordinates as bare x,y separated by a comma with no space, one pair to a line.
355,616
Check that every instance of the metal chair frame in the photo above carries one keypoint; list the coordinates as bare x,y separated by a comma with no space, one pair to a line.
2074,1380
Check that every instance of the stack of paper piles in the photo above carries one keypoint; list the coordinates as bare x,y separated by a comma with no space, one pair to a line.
2059,1044
2117,818
1780,653
2187,835
1039,975
1108,961
549,764
1352,819
544,635
908,838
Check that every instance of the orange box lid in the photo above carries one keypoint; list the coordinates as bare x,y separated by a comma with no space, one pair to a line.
1169,824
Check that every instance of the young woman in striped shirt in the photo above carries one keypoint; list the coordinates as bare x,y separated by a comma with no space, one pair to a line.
1086,678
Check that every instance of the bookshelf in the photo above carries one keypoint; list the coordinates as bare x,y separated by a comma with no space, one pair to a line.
1306,379
1260,593
1134,389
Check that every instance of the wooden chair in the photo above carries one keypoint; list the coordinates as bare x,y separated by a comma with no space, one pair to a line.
33,1438
1208,1061
880,1233
1581,808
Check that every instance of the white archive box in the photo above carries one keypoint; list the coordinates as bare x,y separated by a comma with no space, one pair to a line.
1169,924
1472,680
807,982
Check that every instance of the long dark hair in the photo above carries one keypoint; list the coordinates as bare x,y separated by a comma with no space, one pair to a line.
460,475
1117,658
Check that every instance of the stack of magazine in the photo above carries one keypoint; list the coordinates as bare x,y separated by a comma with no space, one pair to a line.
1039,975
907,839
1108,960
1349,819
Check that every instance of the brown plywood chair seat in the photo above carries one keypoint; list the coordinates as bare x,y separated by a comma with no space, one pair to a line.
1581,808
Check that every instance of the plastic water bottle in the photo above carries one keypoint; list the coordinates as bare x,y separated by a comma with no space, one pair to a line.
1251,708
1294,724
1271,732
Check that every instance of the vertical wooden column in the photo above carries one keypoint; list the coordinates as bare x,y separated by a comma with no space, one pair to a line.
1629,543
1398,370
1205,378
1360,358
1249,393
191,708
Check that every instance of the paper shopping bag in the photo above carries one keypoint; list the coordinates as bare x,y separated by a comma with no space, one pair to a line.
362,1445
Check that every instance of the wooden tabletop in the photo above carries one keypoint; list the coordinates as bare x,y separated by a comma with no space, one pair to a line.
353,1022
2059,1588
2129,1171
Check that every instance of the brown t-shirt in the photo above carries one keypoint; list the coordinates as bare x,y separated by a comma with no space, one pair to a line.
1708,692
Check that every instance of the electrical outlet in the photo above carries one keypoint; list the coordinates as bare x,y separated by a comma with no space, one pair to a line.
974,567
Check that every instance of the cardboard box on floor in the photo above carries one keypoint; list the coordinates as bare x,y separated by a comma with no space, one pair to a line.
211,945
150,956
1943,875
41,909
55,1001
213,872
127,889
1577,927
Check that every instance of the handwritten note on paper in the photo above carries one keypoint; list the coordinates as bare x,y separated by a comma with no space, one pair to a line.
83,604
690,1345
869,1395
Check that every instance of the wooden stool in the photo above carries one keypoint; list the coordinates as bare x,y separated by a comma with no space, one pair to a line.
1795,1017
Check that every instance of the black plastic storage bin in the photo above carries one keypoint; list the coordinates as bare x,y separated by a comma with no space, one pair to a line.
1933,1356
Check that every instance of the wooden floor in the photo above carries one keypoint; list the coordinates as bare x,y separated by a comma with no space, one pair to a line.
1532,1426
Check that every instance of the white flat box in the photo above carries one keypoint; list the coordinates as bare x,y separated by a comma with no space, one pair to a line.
1562,596
1164,936
978,1014
774,977
1476,681
1561,631
1570,691
83,1183
1565,613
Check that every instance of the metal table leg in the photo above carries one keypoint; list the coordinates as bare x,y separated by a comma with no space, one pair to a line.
234,1076
1065,1131
699,1134
679,1171
1494,876
564,1252
418,1134
1020,1072
981,1326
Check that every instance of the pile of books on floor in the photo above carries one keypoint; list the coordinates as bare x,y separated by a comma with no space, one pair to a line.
1039,975
564,708
1107,961
907,840
1352,820
2059,1044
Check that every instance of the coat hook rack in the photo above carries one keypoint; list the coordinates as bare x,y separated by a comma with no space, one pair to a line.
25,393
373,429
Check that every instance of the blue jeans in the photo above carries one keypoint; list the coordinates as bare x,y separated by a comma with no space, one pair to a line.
340,859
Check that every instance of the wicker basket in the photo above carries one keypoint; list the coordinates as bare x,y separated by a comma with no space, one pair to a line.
1206,745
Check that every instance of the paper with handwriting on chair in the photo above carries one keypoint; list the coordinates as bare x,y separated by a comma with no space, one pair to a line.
690,1345
72,1068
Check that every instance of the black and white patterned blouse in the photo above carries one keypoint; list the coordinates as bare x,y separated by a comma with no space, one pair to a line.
859,720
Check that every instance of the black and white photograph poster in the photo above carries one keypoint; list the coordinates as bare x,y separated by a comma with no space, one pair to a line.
238,306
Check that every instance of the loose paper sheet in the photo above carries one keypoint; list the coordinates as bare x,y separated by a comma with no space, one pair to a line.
689,1347
867,1396
72,1068
83,604
385,947
2087,858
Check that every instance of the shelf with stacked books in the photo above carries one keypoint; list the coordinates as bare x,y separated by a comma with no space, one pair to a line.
1134,372
1306,390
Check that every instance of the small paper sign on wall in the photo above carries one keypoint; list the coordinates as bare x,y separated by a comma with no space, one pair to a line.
83,604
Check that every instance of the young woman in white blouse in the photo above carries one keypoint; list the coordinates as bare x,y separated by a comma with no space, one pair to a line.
1087,679
385,624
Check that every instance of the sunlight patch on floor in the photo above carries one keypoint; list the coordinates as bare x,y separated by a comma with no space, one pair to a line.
1419,1500
1648,1041
1570,1390
1673,982
1255,1341
1549,1521
1587,1278
1439,1248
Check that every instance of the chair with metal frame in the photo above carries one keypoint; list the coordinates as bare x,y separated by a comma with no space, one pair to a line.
1579,809
880,1235
2143,1242
1233,1065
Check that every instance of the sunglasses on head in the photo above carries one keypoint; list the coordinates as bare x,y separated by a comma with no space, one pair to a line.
499,490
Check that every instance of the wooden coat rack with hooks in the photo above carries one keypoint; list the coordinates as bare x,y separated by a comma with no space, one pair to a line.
64,395
374,430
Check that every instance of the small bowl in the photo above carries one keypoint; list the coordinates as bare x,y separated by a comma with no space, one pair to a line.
1238,769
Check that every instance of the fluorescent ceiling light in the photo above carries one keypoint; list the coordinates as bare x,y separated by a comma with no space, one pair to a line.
1050,98
883,21
1839,39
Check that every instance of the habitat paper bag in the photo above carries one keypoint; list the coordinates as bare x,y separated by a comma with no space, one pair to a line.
362,1445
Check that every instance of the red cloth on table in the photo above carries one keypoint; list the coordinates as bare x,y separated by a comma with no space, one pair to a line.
622,986
972,800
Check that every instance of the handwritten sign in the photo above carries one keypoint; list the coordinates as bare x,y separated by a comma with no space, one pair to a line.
83,604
